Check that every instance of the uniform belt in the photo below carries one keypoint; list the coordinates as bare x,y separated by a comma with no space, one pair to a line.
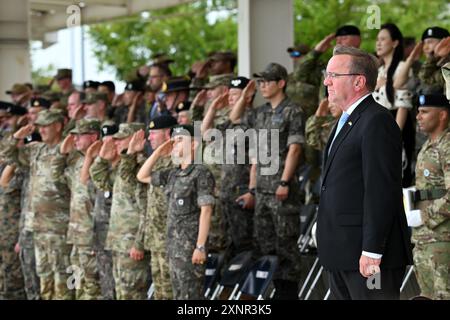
429,194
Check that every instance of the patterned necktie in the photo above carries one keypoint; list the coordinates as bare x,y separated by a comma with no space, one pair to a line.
341,123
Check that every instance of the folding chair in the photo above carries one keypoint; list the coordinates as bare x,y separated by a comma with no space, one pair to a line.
308,216
233,276
259,279
151,292
214,263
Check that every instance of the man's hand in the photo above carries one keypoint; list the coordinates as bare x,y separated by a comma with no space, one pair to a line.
201,69
249,89
368,266
24,132
325,43
68,144
198,257
17,248
282,193
442,49
220,102
137,142
136,254
248,201
166,148
137,98
108,150
79,113
117,100
416,52
94,149
200,98
322,110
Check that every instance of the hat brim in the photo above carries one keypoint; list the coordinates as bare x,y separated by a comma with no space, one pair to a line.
8,92
120,135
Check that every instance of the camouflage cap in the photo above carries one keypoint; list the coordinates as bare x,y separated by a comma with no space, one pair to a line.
46,117
219,80
223,56
446,74
63,73
128,129
160,58
86,126
93,97
18,88
273,71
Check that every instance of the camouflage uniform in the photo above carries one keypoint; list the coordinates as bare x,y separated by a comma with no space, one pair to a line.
277,224
432,239
234,183
318,131
131,277
11,278
26,243
152,235
51,210
102,212
187,190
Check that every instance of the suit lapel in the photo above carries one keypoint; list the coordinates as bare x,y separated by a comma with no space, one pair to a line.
349,125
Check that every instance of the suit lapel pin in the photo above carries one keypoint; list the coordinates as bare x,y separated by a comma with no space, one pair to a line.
350,123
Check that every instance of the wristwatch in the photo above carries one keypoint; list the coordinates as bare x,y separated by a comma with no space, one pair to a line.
200,248
284,183
252,191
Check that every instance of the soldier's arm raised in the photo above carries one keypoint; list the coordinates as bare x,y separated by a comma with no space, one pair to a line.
218,103
144,174
101,174
239,108
7,175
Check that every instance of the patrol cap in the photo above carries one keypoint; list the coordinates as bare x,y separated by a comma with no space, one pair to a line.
162,122
298,50
183,130
435,32
238,83
93,97
86,126
175,84
183,106
273,71
128,129
219,80
40,102
347,30
15,110
63,73
433,100
109,128
49,116
135,85
90,84
160,58
223,56
18,88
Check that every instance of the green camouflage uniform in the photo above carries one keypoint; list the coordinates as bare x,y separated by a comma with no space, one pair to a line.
318,131
152,235
432,239
187,191
131,277
11,278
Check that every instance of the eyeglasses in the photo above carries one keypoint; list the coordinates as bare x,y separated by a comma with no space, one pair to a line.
295,54
334,75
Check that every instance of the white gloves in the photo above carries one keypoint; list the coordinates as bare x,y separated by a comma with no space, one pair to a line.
414,219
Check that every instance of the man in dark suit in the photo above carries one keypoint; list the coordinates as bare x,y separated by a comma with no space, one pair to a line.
361,224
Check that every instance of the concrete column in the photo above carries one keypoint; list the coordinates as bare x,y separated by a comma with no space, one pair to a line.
265,31
15,64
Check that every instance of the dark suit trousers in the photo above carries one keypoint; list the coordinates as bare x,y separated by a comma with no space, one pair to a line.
351,285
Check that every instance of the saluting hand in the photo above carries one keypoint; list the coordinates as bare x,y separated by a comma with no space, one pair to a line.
325,43
108,149
249,89
94,149
24,132
68,144
137,142
442,49
200,98
166,148
322,110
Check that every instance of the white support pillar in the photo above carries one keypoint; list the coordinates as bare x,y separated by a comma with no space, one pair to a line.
15,64
266,30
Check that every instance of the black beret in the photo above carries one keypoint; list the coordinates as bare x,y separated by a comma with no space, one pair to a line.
183,130
435,32
35,136
238,83
136,85
108,129
90,84
162,122
16,110
183,106
433,100
348,30
40,102
176,84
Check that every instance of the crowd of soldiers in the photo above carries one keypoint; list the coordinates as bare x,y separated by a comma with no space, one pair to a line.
92,210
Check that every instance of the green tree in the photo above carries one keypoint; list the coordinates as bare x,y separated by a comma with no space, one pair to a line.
186,32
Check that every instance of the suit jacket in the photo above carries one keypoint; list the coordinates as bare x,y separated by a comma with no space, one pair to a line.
361,203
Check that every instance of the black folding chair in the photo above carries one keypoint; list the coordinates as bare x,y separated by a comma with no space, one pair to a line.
308,216
214,263
233,276
259,279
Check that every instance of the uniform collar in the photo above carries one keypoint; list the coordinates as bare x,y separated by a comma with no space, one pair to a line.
185,172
